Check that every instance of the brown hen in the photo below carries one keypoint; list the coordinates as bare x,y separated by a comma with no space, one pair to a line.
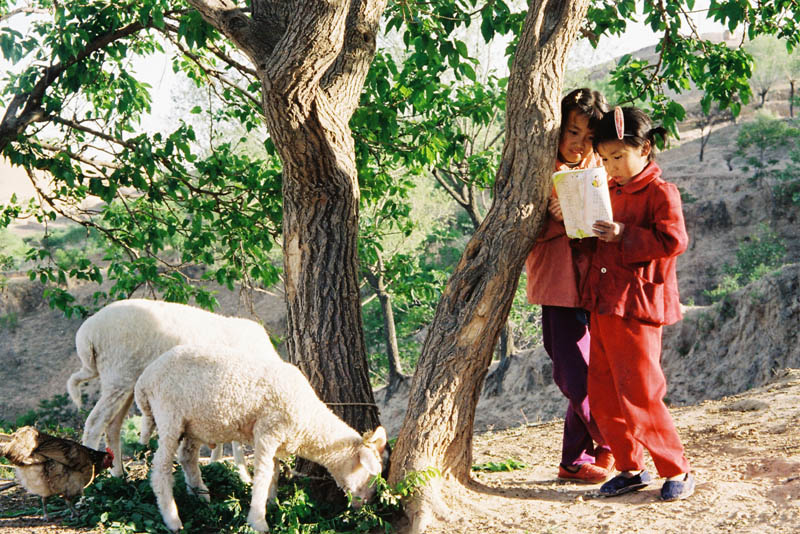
47,465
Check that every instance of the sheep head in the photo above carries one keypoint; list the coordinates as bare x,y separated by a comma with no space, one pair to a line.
364,464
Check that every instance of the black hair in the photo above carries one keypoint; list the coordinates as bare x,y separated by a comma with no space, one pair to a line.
584,100
638,130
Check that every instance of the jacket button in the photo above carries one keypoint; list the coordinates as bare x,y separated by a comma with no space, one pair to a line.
603,270
619,191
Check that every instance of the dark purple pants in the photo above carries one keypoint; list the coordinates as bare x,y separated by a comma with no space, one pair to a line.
566,340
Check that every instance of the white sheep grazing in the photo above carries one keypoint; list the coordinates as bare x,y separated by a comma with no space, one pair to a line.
201,394
120,340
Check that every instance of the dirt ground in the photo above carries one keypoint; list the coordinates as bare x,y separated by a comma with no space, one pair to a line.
744,450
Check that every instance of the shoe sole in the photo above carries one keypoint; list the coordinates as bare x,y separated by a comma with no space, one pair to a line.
582,480
626,489
679,497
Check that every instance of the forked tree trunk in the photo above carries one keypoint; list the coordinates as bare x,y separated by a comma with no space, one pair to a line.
437,430
312,59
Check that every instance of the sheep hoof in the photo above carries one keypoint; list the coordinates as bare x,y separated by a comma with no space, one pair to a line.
259,525
244,476
174,526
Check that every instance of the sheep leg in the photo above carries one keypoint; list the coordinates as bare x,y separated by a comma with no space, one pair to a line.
146,430
263,479
216,452
188,456
241,465
100,416
272,494
161,478
113,432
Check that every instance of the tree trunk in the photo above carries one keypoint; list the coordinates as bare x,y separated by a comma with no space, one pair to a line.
396,377
309,126
312,59
437,430
704,136
506,347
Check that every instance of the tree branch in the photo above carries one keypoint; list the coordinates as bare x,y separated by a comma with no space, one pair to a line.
232,21
462,201
361,29
217,74
13,124
27,10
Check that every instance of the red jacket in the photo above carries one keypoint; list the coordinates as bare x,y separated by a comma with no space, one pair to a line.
635,277
552,274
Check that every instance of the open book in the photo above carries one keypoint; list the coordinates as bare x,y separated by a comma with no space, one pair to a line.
583,195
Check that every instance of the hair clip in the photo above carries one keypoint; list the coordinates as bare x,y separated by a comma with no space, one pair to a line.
578,96
619,122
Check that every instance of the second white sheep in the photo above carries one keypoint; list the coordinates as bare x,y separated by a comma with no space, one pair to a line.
120,340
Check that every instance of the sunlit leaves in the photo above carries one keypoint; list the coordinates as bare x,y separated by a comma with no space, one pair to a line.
684,61
168,204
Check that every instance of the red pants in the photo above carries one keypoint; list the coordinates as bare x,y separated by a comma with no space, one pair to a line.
626,392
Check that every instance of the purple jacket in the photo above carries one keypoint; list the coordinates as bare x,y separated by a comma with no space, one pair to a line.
553,273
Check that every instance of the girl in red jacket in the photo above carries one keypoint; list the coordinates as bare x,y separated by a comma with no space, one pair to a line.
553,283
631,290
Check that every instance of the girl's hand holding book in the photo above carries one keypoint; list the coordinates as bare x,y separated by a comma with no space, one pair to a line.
608,231
554,207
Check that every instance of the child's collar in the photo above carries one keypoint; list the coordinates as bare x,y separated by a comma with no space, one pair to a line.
651,172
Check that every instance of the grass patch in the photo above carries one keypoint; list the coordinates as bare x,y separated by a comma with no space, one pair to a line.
506,465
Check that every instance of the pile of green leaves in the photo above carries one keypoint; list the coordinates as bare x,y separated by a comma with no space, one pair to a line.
129,506
509,464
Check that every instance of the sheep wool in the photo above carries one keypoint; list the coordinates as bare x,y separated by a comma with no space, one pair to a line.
208,394
120,340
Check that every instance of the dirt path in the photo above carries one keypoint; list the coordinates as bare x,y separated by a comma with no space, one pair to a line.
745,452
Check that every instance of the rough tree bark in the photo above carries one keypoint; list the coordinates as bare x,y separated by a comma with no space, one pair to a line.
437,430
312,59
467,198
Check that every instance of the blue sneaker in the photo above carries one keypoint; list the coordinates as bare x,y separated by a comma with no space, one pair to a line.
674,490
621,484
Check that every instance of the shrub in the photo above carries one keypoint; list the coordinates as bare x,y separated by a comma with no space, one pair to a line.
9,321
760,254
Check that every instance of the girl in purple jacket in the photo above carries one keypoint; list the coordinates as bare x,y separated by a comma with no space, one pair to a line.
553,279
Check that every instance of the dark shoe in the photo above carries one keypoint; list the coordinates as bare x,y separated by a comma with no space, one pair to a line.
621,484
674,490
585,473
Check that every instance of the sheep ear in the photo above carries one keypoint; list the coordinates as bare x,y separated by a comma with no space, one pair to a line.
377,439
368,460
